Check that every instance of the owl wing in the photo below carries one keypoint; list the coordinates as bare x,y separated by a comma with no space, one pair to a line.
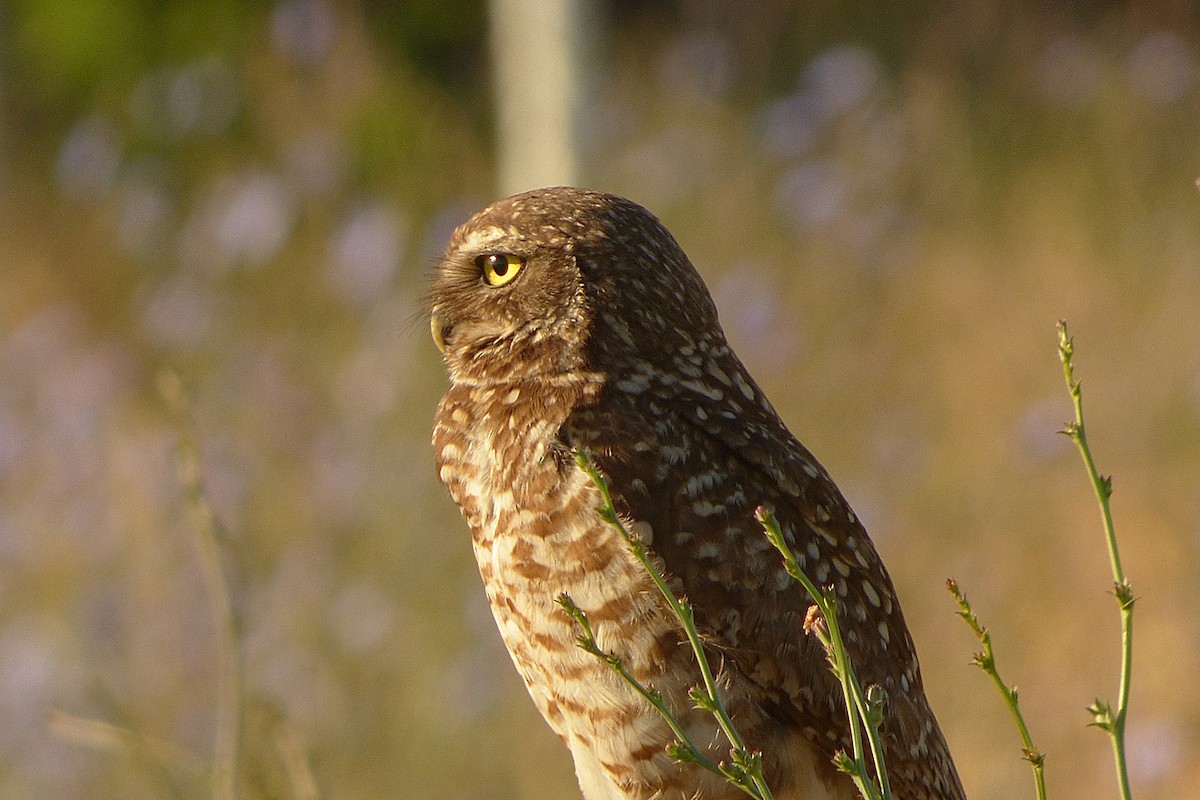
694,461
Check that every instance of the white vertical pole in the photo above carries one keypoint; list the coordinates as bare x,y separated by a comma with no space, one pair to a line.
540,53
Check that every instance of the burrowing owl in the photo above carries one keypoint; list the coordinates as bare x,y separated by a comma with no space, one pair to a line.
572,319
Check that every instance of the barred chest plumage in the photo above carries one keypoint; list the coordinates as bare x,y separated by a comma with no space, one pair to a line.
497,452
494,453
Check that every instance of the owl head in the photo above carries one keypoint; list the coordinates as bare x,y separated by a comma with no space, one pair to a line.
561,280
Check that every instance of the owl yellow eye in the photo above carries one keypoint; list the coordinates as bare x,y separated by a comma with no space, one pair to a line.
499,268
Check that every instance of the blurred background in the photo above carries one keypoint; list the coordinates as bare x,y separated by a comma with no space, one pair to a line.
892,204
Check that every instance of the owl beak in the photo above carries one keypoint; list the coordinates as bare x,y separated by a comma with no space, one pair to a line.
439,332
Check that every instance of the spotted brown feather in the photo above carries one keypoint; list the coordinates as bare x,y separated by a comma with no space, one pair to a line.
607,339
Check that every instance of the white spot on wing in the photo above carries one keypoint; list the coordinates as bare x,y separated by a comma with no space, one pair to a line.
711,392
674,454
746,389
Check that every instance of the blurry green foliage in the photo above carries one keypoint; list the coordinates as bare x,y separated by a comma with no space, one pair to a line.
443,38
65,45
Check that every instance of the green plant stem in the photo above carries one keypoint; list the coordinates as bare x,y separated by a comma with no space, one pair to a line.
587,642
986,660
1101,485
707,698
859,710
1104,717
831,636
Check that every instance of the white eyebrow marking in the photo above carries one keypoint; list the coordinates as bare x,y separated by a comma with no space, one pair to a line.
483,238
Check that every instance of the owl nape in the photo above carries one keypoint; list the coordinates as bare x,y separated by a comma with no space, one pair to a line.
570,319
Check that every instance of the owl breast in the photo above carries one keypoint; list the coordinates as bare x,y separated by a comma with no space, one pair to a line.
536,534
500,460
